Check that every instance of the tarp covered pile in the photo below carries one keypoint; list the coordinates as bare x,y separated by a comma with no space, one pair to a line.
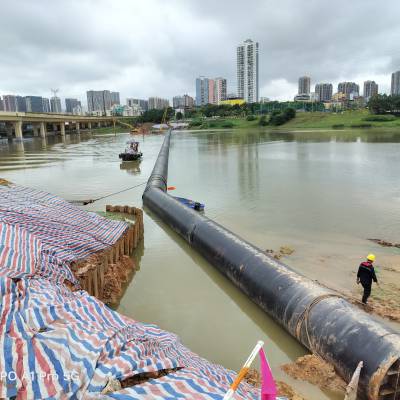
61,344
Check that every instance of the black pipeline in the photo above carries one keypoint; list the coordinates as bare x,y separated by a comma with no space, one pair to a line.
321,320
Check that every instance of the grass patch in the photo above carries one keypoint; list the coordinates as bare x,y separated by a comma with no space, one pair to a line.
305,120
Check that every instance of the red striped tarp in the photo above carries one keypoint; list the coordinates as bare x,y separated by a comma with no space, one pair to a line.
58,344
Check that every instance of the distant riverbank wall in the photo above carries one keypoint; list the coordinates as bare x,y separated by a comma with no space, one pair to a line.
60,342
321,320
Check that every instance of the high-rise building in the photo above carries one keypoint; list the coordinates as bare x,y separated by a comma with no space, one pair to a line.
247,71
55,104
46,105
70,104
370,89
34,104
184,101
202,87
143,104
114,96
21,103
158,103
1,104
99,101
178,102
304,85
350,89
77,110
188,101
323,91
211,91
395,87
219,90
10,103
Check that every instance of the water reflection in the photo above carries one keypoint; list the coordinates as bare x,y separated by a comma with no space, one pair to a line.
131,167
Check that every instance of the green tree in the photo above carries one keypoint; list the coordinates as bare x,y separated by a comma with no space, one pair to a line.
263,121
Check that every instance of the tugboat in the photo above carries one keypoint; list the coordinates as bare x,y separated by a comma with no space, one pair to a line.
132,152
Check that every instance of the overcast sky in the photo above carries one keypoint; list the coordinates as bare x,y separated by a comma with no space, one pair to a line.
145,48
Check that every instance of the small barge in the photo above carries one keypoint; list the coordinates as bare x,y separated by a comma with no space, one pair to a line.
132,152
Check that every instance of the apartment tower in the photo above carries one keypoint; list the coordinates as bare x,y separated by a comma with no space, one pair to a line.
247,71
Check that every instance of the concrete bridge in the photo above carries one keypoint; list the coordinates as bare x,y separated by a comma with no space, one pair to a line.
16,123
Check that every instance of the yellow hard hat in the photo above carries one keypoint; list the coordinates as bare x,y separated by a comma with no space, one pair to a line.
371,257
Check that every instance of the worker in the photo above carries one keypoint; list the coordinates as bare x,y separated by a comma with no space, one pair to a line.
365,276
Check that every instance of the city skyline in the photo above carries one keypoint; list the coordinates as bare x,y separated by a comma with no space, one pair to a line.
194,42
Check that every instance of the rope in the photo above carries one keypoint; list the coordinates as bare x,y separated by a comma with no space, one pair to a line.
303,318
86,202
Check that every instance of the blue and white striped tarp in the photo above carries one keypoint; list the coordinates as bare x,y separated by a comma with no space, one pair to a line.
61,344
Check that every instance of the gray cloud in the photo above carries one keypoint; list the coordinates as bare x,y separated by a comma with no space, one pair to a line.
153,47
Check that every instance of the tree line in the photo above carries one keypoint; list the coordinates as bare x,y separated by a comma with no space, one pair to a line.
384,104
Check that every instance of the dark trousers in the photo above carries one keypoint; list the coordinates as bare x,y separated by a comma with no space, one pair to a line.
367,292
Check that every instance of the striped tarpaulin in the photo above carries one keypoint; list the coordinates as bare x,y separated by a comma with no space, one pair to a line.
43,234
59,344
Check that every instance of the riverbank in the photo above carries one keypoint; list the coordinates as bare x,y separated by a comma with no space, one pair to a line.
307,120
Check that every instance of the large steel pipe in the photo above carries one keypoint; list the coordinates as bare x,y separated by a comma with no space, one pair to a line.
321,320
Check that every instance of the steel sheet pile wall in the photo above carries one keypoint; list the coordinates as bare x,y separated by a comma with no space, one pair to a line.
323,322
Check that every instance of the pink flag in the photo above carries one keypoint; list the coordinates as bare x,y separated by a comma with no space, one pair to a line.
268,388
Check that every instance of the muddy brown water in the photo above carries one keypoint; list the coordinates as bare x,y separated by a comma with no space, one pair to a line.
320,193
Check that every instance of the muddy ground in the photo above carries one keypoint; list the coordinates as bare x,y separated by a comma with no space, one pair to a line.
384,300
253,377
116,276
315,370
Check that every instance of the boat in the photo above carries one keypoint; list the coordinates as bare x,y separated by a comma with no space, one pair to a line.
130,156
190,203
132,152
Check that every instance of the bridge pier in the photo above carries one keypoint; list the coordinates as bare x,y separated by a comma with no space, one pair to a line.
9,130
18,130
36,130
78,127
89,124
43,130
62,129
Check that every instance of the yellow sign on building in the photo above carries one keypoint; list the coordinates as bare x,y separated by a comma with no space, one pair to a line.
233,102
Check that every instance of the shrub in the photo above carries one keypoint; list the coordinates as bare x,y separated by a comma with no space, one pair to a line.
280,117
380,118
289,113
227,124
338,126
263,121
360,126
196,122
251,118
277,119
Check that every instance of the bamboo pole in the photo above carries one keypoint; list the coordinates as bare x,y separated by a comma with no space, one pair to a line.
95,282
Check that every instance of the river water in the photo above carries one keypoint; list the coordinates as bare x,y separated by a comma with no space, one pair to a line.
320,193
